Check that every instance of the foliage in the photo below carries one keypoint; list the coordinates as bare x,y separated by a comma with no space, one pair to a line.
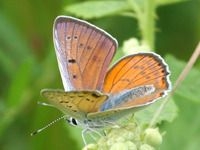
28,64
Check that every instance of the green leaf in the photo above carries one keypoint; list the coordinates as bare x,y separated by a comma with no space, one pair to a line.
97,9
6,63
20,82
17,94
168,2
183,132
189,88
14,44
169,112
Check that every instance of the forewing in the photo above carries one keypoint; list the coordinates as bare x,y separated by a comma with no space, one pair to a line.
83,53
138,70
74,103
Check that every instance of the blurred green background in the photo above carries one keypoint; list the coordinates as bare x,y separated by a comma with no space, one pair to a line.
28,64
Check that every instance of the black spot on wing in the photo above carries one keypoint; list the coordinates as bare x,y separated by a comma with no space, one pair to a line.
68,37
89,100
64,102
72,60
74,76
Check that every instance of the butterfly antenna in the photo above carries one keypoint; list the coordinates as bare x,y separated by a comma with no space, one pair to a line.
48,125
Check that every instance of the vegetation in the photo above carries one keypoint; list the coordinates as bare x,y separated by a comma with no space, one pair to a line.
28,64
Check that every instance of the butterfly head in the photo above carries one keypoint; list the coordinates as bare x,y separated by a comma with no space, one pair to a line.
72,121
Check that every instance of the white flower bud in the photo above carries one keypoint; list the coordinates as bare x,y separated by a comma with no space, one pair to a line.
152,137
146,147
119,146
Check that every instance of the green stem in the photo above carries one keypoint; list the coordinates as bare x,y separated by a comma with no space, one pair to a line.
147,23
145,14
181,77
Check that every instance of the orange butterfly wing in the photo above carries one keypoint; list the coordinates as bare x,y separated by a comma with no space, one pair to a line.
137,70
84,53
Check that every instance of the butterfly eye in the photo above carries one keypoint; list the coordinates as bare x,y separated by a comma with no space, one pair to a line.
72,121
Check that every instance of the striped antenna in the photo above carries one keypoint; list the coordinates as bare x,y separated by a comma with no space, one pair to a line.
48,125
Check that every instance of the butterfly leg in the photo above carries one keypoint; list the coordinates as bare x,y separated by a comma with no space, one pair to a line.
92,136
83,136
90,130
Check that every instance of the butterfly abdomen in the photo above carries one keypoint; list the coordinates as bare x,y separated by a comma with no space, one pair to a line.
127,96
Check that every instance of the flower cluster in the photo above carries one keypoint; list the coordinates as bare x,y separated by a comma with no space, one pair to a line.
129,137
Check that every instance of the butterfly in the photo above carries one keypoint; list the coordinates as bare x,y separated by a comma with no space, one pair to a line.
95,96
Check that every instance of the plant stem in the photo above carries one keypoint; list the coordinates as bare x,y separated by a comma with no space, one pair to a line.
147,23
181,77
145,14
